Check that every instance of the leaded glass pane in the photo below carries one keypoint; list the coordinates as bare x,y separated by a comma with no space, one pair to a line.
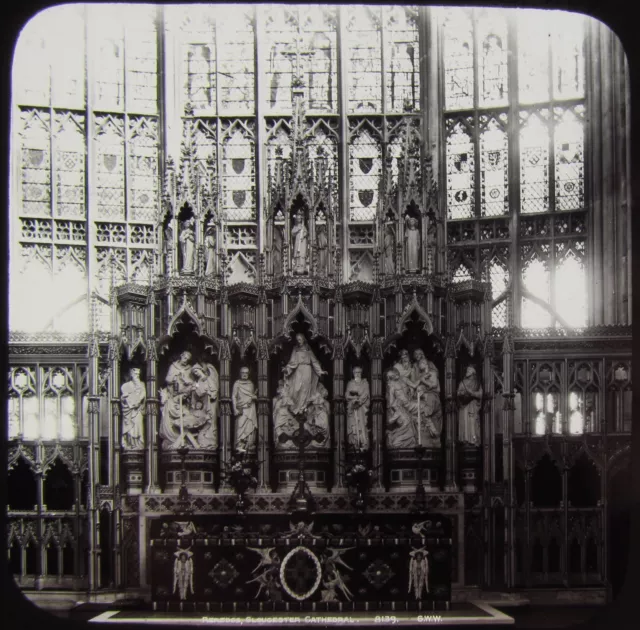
461,274
569,157
143,168
236,75
194,27
109,166
458,59
66,52
70,149
34,270
494,170
460,169
568,55
536,280
319,30
31,67
365,167
238,173
534,161
493,58
364,54
283,43
576,417
107,58
141,59
402,59
14,417
534,33
36,163
323,150
570,285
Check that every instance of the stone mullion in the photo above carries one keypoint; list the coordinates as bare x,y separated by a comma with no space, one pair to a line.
488,468
225,439
92,510
377,413
450,413
263,450
116,537
508,409
152,398
39,474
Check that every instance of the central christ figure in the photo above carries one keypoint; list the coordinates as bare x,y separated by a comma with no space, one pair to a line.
301,375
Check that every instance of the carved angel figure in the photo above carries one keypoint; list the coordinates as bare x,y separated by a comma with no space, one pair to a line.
419,572
183,572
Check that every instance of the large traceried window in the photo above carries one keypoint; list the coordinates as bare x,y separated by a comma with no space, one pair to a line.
514,94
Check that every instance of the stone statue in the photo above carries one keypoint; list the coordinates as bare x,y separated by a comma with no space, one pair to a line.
405,371
401,430
276,251
323,251
243,401
389,253
414,411
300,237
412,245
470,400
318,414
189,402
210,247
358,398
188,245
301,375
284,421
133,396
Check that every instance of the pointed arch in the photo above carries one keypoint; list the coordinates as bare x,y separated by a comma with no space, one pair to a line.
299,309
411,308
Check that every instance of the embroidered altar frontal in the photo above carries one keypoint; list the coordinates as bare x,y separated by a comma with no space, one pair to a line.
329,564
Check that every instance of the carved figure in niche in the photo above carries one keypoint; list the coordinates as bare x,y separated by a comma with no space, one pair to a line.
243,401
358,397
276,251
300,237
133,396
188,245
401,430
389,254
183,572
469,399
301,375
323,251
412,245
428,390
405,371
419,572
210,247
189,405
318,417
284,421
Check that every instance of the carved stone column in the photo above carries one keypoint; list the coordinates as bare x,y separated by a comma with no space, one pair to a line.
339,432
451,415
508,409
264,416
377,413
92,508
153,413
225,439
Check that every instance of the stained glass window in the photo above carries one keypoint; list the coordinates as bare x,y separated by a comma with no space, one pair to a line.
493,57
402,59
497,272
238,172
36,162
576,417
568,55
108,58
143,167
141,59
461,274
536,280
364,55
569,157
69,148
110,198
236,73
460,169
365,166
570,283
534,33
494,166
458,59
534,161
